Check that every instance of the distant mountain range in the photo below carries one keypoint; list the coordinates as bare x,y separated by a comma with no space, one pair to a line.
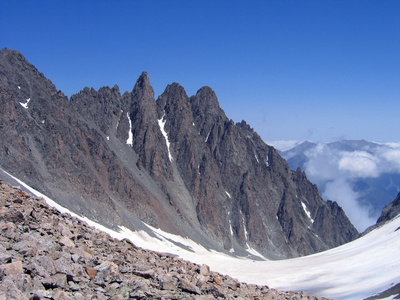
371,171
176,163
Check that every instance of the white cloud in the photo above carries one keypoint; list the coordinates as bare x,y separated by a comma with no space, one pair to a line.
322,164
391,159
283,145
340,190
359,164
334,171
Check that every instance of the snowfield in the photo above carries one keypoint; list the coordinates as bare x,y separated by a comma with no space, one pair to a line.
357,270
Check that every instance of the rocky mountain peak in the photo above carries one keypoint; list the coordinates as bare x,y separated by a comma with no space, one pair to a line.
205,103
173,100
177,163
143,84
142,98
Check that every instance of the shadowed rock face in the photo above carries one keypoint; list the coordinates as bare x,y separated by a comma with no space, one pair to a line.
390,211
177,163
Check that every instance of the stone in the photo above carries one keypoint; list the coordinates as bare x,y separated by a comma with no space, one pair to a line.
145,274
55,281
60,295
204,270
187,286
168,282
14,268
66,242
92,272
217,280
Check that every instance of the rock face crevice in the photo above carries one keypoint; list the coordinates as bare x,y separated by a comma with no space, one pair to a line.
177,163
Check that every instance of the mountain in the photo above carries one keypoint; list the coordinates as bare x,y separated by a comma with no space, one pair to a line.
177,163
371,171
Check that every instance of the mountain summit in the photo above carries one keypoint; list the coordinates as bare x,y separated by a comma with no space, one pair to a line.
177,163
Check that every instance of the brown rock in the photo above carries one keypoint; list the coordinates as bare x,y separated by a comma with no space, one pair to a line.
91,272
217,280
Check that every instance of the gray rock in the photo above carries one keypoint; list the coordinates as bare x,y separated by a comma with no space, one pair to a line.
187,286
204,270
55,281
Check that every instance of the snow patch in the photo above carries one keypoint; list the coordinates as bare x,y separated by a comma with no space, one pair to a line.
43,121
161,123
229,195
19,87
267,161
25,105
256,158
129,141
108,138
230,227
246,235
207,137
307,212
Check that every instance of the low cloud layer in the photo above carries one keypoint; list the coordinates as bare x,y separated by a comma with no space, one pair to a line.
335,171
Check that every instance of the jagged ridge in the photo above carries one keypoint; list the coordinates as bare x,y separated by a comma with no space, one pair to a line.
177,163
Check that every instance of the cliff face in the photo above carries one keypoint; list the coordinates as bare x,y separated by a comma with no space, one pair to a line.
390,211
177,163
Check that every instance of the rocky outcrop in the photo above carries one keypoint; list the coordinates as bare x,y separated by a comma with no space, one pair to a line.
390,211
48,255
177,163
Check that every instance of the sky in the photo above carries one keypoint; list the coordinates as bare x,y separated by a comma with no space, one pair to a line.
294,70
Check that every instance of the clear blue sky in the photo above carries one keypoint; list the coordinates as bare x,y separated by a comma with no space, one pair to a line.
294,70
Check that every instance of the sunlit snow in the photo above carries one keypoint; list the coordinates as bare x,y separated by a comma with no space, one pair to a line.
161,123
129,141
362,268
307,212
207,137
25,105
